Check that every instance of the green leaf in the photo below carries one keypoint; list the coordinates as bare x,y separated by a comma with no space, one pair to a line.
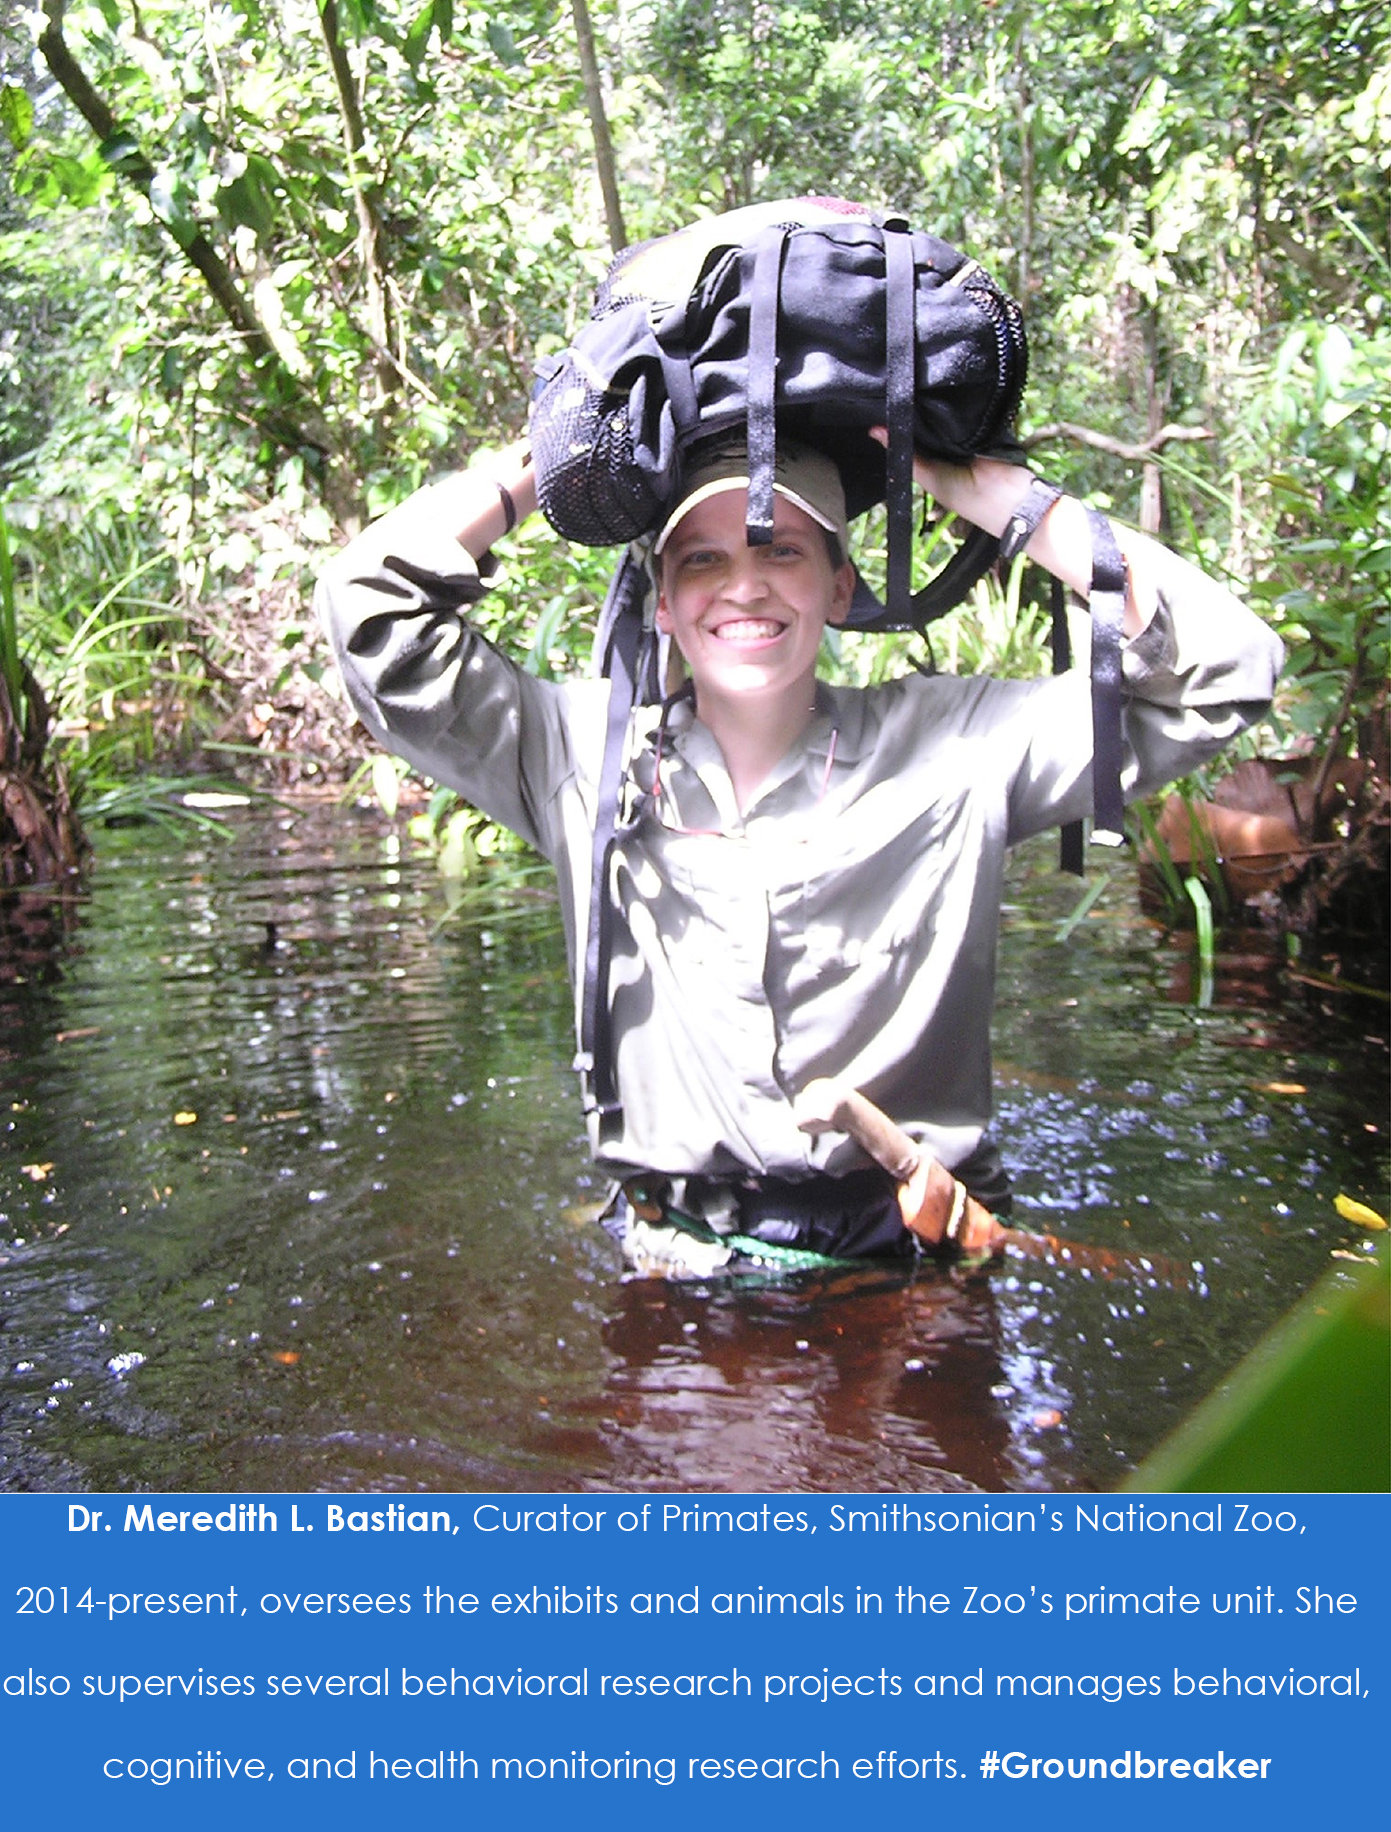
78,182
503,44
386,784
16,116
444,19
1333,413
249,200
441,801
458,856
418,38
171,203
1332,357
301,156
122,152
1083,907
1306,1410
359,17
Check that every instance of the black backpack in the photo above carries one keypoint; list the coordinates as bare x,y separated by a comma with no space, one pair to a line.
815,317
821,319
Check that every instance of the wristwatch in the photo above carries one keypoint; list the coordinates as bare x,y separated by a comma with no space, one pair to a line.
1026,516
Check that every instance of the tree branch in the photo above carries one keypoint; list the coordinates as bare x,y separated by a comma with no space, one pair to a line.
72,79
302,427
1103,442
370,235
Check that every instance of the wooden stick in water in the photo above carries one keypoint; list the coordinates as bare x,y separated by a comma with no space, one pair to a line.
937,1208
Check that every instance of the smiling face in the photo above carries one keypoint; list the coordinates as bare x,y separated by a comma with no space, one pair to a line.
749,620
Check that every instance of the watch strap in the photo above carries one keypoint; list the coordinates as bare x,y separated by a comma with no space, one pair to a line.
1026,516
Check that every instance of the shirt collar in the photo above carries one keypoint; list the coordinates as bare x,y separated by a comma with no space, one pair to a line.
696,747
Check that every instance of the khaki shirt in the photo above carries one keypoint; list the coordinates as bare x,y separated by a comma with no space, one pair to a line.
846,923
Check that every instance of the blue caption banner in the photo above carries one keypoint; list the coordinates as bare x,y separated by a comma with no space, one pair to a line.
600,1660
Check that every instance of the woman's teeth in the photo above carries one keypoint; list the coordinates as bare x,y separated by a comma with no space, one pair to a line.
749,629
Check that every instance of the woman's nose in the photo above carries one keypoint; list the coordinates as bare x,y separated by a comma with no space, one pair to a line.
745,582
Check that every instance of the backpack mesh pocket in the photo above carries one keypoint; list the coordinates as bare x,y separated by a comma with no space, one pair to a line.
591,488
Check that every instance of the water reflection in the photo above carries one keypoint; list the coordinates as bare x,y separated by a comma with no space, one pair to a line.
862,1380
287,1160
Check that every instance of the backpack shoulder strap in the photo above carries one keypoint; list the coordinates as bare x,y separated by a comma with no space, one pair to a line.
1109,582
626,655
900,386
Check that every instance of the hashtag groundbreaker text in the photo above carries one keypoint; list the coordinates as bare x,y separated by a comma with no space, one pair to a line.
1129,1765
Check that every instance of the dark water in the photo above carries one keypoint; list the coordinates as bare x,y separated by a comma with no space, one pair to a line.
359,1265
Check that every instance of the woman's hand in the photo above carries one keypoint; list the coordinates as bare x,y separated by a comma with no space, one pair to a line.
986,493
481,504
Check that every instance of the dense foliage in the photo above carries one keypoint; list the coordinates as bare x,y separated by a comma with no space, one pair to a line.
266,263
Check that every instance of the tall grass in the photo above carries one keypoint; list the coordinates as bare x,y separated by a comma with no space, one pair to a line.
93,629
995,630
92,613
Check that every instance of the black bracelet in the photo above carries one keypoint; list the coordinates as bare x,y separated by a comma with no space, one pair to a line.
1026,516
509,508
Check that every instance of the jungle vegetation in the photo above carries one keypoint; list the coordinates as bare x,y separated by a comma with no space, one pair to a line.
267,264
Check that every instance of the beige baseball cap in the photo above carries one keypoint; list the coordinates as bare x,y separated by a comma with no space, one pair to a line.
805,476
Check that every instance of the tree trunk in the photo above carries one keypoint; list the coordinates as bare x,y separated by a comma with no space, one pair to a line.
40,840
1158,388
599,126
1024,114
